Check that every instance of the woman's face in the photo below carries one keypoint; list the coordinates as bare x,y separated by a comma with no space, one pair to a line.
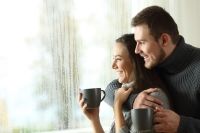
122,63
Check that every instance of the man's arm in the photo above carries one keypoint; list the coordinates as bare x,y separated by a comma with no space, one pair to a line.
135,100
189,125
169,121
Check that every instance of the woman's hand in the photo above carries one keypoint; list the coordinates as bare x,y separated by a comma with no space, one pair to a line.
91,114
121,95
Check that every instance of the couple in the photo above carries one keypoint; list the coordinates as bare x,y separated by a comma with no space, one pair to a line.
161,47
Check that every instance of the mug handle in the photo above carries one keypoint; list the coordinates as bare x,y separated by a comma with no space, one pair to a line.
104,94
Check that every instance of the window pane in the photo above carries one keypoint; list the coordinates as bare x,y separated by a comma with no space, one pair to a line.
48,51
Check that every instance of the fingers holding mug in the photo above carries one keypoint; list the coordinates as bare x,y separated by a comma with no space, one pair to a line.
93,97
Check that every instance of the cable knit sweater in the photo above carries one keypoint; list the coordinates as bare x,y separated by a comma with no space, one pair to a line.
181,72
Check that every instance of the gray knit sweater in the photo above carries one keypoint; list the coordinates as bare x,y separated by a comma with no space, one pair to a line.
181,72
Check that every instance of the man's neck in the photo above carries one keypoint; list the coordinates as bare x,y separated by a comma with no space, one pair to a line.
178,58
169,50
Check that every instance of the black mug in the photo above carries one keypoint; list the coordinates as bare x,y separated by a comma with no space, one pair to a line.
92,96
142,120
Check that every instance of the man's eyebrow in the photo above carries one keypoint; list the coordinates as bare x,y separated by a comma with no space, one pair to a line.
141,40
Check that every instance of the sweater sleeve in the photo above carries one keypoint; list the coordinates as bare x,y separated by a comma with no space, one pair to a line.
124,130
189,125
110,95
129,104
110,91
127,127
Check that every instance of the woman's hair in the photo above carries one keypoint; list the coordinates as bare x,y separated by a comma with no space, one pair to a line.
144,78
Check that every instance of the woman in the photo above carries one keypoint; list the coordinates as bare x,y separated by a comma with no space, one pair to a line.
132,79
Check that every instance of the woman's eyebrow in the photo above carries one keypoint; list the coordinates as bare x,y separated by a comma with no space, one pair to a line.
114,56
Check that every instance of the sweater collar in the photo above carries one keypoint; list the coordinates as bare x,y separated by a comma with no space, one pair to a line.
128,85
179,58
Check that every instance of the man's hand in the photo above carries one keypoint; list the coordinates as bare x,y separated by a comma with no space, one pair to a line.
145,100
166,121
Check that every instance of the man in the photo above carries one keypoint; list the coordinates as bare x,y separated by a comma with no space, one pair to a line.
161,46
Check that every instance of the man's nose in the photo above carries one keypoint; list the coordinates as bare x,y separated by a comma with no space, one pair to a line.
137,49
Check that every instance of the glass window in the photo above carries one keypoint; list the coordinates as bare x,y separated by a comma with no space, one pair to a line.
48,50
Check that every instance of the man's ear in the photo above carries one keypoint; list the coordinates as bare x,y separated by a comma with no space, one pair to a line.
164,40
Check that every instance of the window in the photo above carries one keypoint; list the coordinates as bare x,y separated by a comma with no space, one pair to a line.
50,49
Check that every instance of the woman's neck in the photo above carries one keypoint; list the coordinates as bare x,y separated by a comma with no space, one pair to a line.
131,78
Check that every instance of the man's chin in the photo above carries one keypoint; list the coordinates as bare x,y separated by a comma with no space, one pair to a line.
148,65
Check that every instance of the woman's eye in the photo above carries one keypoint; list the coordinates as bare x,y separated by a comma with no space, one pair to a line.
119,59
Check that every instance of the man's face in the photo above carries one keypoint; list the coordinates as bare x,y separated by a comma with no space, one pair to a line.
147,47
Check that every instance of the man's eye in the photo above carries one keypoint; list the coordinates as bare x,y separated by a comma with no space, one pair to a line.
142,42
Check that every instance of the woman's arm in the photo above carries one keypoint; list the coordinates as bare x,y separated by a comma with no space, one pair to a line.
96,125
119,118
121,96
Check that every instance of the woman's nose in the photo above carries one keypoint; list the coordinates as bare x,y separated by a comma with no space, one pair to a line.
113,65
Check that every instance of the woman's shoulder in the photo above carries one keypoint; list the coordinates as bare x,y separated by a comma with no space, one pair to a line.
110,90
114,84
160,94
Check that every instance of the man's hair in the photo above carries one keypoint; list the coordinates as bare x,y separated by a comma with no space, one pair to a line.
158,21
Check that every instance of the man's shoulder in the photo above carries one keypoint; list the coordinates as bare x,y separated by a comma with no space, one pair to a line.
194,56
196,50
